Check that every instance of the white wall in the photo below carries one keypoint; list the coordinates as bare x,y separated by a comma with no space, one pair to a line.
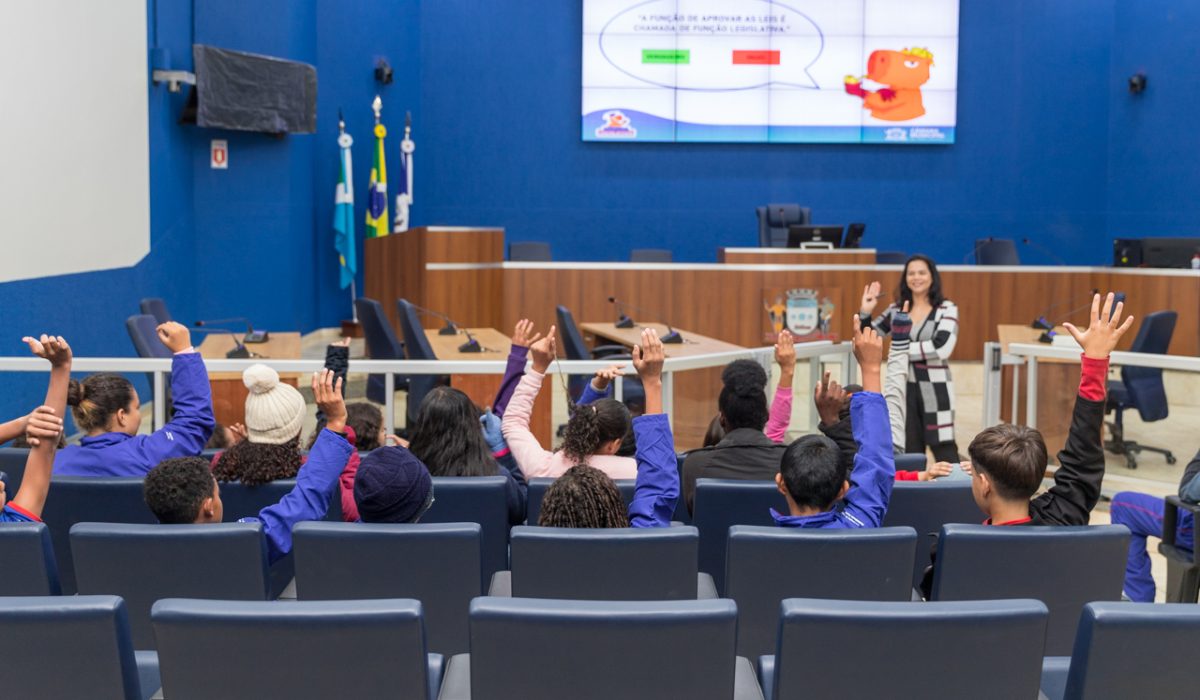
74,169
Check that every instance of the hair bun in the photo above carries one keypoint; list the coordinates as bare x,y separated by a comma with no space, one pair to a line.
75,393
260,379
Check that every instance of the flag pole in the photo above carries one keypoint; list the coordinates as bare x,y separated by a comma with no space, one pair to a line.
353,290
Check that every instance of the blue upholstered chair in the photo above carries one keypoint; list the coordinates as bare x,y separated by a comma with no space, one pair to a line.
1142,388
996,251
82,499
435,563
926,506
12,462
593,650
156,307
576,349
302,650
767,564
604,564
774,220
723,503
418,348
382,344
143,333
1128,650
1064,567
855,649
145,563
71,647
529,251
475,499
650,255
1183,566
539,485
28,560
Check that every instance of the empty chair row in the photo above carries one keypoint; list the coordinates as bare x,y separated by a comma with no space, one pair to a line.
57,647
440,564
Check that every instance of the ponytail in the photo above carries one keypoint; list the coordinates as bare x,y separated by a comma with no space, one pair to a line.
593,425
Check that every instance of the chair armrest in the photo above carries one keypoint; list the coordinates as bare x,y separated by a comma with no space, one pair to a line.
610,352
745,685
456,682
501,585
436,667
148,673
706,589
1171,507
766,674
1054,676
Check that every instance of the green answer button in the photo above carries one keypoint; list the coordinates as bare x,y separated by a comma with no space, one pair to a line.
666,55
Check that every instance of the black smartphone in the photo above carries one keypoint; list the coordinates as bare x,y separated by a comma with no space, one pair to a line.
1118,297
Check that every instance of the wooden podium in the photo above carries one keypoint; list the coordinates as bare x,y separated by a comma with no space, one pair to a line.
228,391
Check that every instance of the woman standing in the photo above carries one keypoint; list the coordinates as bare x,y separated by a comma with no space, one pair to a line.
930,394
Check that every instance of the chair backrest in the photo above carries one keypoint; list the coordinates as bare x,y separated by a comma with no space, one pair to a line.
854,235
28,557
602,649
722,503
144,563
381,340
157,308
302,649
529,251
82,499
767,564
12,462
996,251
475,499
417,344
539,485
67,647
143,333
650,255
774,220
988,649
437,564
890,257
1145,384
242,501
1064,567
573,344
604,564
1129,650
926,506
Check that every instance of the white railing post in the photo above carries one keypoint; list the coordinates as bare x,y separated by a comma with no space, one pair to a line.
160,401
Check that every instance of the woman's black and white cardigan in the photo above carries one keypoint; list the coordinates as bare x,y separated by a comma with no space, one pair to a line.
929,353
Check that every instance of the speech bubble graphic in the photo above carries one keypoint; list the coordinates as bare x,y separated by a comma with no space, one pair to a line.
678,31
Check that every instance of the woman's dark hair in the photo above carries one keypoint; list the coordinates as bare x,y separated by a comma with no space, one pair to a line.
744,372
583,497
903,293
254,463
366,419
593,425
95,400
447,436
176,488
219,439
743,401
715,432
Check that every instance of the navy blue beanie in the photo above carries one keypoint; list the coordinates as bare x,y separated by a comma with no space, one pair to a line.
392,486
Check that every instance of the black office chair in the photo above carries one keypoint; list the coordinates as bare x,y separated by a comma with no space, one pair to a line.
650,255
890,257
1141,388
382,344
996,251
529,251
774,220
157,308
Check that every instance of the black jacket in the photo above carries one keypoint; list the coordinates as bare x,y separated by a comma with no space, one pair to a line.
744,454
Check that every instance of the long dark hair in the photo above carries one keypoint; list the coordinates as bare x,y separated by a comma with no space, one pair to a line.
903,293
96,399
447,436
255,463
593,425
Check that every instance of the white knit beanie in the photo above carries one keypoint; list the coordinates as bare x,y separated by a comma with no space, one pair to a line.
274,411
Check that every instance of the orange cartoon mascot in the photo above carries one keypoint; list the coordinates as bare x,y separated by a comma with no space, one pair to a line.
903,72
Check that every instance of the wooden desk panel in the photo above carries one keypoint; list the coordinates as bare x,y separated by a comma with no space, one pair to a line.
693,343
795,256
229,392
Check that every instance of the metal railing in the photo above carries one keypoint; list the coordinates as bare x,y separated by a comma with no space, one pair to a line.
815,353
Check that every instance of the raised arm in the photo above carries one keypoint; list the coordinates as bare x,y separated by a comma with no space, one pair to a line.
523,336
780,416
525,448
945,336
600,386
192,425
895,383
829,398
31,498
1076,488
874,466
657,488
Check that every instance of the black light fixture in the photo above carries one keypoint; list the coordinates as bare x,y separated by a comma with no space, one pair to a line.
1137,84
383,72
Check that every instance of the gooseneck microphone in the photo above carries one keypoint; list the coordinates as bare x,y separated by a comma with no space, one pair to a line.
671,338
1042,324
252,336
1050,253
239,351
975,250
451,328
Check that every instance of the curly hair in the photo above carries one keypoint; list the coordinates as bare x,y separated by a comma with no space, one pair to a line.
176,489
254,463
96,399
592,425
583,497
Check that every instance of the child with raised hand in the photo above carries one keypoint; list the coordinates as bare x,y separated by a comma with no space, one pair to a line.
183,490
811,476
106,407
585,497
522,338
29,430
593,434
44,426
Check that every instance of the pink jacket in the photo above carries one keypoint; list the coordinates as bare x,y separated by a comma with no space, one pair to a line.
530,456
780,416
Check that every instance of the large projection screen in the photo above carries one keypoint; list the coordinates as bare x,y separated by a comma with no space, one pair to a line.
775,71
75,185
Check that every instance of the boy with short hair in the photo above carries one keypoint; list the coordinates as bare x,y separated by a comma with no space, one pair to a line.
811,477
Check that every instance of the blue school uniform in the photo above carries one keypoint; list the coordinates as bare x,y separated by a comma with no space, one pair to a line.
316,483
657,488
871,480
118,454
16,514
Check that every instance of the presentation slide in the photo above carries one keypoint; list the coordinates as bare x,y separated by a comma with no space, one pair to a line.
797,71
